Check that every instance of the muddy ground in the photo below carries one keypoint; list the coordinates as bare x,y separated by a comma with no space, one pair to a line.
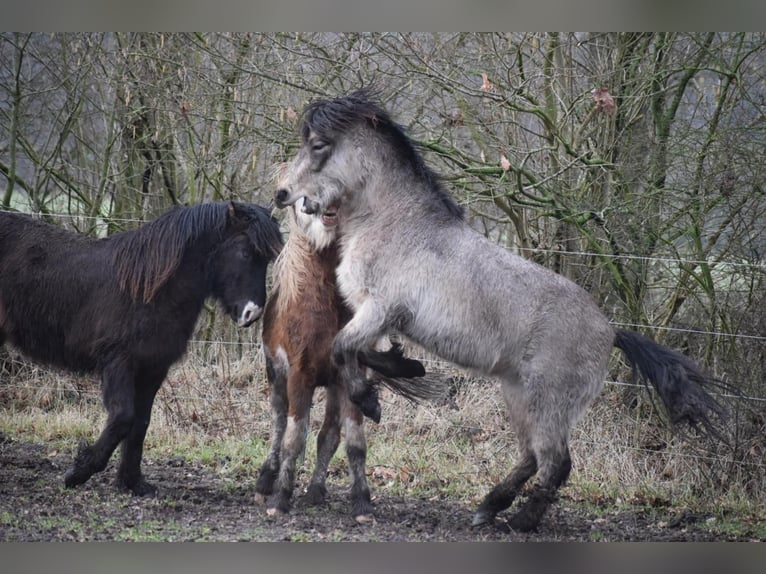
196,503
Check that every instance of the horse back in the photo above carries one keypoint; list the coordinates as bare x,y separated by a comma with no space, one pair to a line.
52,291
469,300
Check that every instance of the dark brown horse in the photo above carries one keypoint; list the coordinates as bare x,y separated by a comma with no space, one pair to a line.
303,314
125,307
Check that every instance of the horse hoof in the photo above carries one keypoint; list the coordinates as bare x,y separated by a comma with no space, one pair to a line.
75,476
522,522
82,467
482,518
368,403
316,494
372,412
143,488
364,519
259,499
412,368
274,512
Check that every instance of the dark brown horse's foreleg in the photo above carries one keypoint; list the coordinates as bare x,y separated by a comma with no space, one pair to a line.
503,495
327,444
118,398
129,475
277,377
293,443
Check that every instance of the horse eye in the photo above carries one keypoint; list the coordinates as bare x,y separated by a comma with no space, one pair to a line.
318,146
245,254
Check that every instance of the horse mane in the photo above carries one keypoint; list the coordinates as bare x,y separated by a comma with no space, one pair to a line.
328,118
291,265
147,257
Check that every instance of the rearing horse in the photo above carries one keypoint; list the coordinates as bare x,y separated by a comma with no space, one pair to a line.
411,264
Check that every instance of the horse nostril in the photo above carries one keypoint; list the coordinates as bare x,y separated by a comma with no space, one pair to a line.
310,207
280,197
249,315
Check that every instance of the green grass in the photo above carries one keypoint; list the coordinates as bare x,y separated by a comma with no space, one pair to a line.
417,451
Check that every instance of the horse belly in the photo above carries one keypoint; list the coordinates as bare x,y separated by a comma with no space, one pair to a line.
454,340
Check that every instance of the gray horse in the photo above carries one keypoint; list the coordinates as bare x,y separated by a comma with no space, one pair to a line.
411,264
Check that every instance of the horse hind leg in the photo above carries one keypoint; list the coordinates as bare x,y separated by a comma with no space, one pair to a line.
327,444
118,399
503,494
552,475
542,411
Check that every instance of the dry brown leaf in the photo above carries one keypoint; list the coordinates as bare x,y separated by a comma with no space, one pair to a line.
486,85
604,100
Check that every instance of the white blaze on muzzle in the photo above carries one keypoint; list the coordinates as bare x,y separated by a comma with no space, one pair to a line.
249,315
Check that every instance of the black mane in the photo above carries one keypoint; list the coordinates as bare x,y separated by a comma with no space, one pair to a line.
330,118
146,257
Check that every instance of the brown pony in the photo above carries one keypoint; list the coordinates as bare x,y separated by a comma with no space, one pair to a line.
302,316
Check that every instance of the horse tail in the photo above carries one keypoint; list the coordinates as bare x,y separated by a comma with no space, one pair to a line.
679,382
401,375
416,390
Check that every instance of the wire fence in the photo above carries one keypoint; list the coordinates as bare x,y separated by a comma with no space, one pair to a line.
761,266
92,391
758,265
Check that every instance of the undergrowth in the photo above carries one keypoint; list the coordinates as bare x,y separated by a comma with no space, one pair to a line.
216,413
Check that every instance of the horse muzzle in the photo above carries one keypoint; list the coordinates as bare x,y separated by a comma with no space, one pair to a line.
249,314
283,198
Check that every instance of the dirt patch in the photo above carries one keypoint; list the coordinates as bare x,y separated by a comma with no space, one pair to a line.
196,503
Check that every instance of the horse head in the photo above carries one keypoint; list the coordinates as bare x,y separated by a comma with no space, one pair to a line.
353,159
331,166
237,268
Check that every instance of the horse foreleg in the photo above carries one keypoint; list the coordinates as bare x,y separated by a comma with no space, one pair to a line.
366,326
327,443
129,475
277,377
117,394
300,392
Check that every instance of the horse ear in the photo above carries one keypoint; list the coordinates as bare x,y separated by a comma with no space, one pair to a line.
235,214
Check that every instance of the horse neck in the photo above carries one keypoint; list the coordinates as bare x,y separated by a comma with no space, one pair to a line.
385,194
191,283
300,265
